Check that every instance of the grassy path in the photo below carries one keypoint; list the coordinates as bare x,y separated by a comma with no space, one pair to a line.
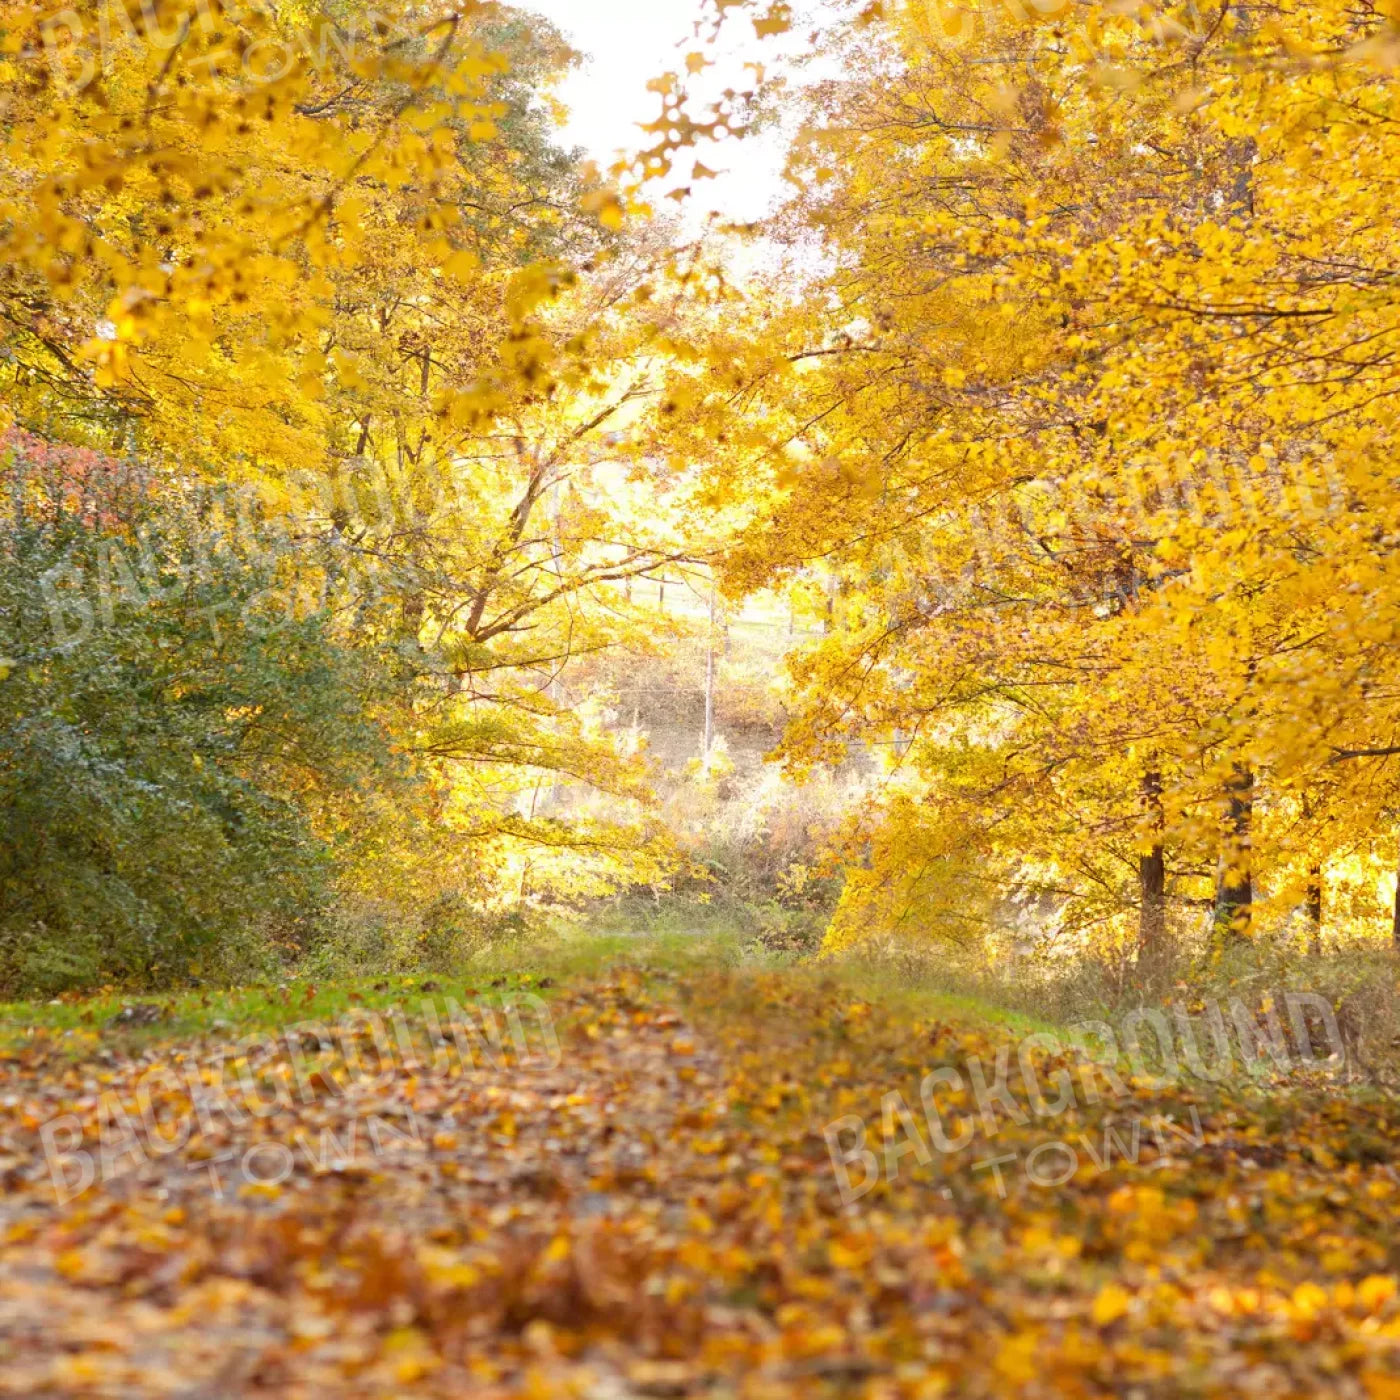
624,1187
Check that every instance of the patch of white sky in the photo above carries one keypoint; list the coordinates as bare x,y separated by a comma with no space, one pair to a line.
627,43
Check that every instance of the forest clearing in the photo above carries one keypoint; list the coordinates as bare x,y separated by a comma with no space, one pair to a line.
699,697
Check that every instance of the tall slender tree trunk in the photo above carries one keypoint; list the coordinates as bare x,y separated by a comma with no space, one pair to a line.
1312,895
710,677
1395,923
556,684
1234,899
1314,906
1152,877
411,610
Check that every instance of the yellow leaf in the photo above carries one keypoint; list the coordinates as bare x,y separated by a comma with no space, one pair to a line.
778,20
1113,1301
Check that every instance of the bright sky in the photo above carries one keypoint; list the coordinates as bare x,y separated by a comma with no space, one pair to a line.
629,42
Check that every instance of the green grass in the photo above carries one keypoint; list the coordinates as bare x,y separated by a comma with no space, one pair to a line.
881,985
234,1012
229,1013
82,1024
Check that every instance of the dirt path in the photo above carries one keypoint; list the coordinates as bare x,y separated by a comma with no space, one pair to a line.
638,1197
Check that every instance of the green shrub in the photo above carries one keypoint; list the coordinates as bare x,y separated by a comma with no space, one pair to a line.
177,743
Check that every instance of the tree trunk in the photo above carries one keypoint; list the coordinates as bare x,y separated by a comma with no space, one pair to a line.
411,611
709,740
1234,900
1312,895
1395,923
1152,878
1315,909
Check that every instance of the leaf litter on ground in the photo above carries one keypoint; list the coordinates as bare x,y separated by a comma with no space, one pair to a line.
656,1212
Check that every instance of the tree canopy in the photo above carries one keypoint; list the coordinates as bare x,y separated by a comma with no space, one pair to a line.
1058,390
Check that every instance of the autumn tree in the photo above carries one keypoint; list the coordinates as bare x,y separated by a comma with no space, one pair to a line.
1086,414
340,260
